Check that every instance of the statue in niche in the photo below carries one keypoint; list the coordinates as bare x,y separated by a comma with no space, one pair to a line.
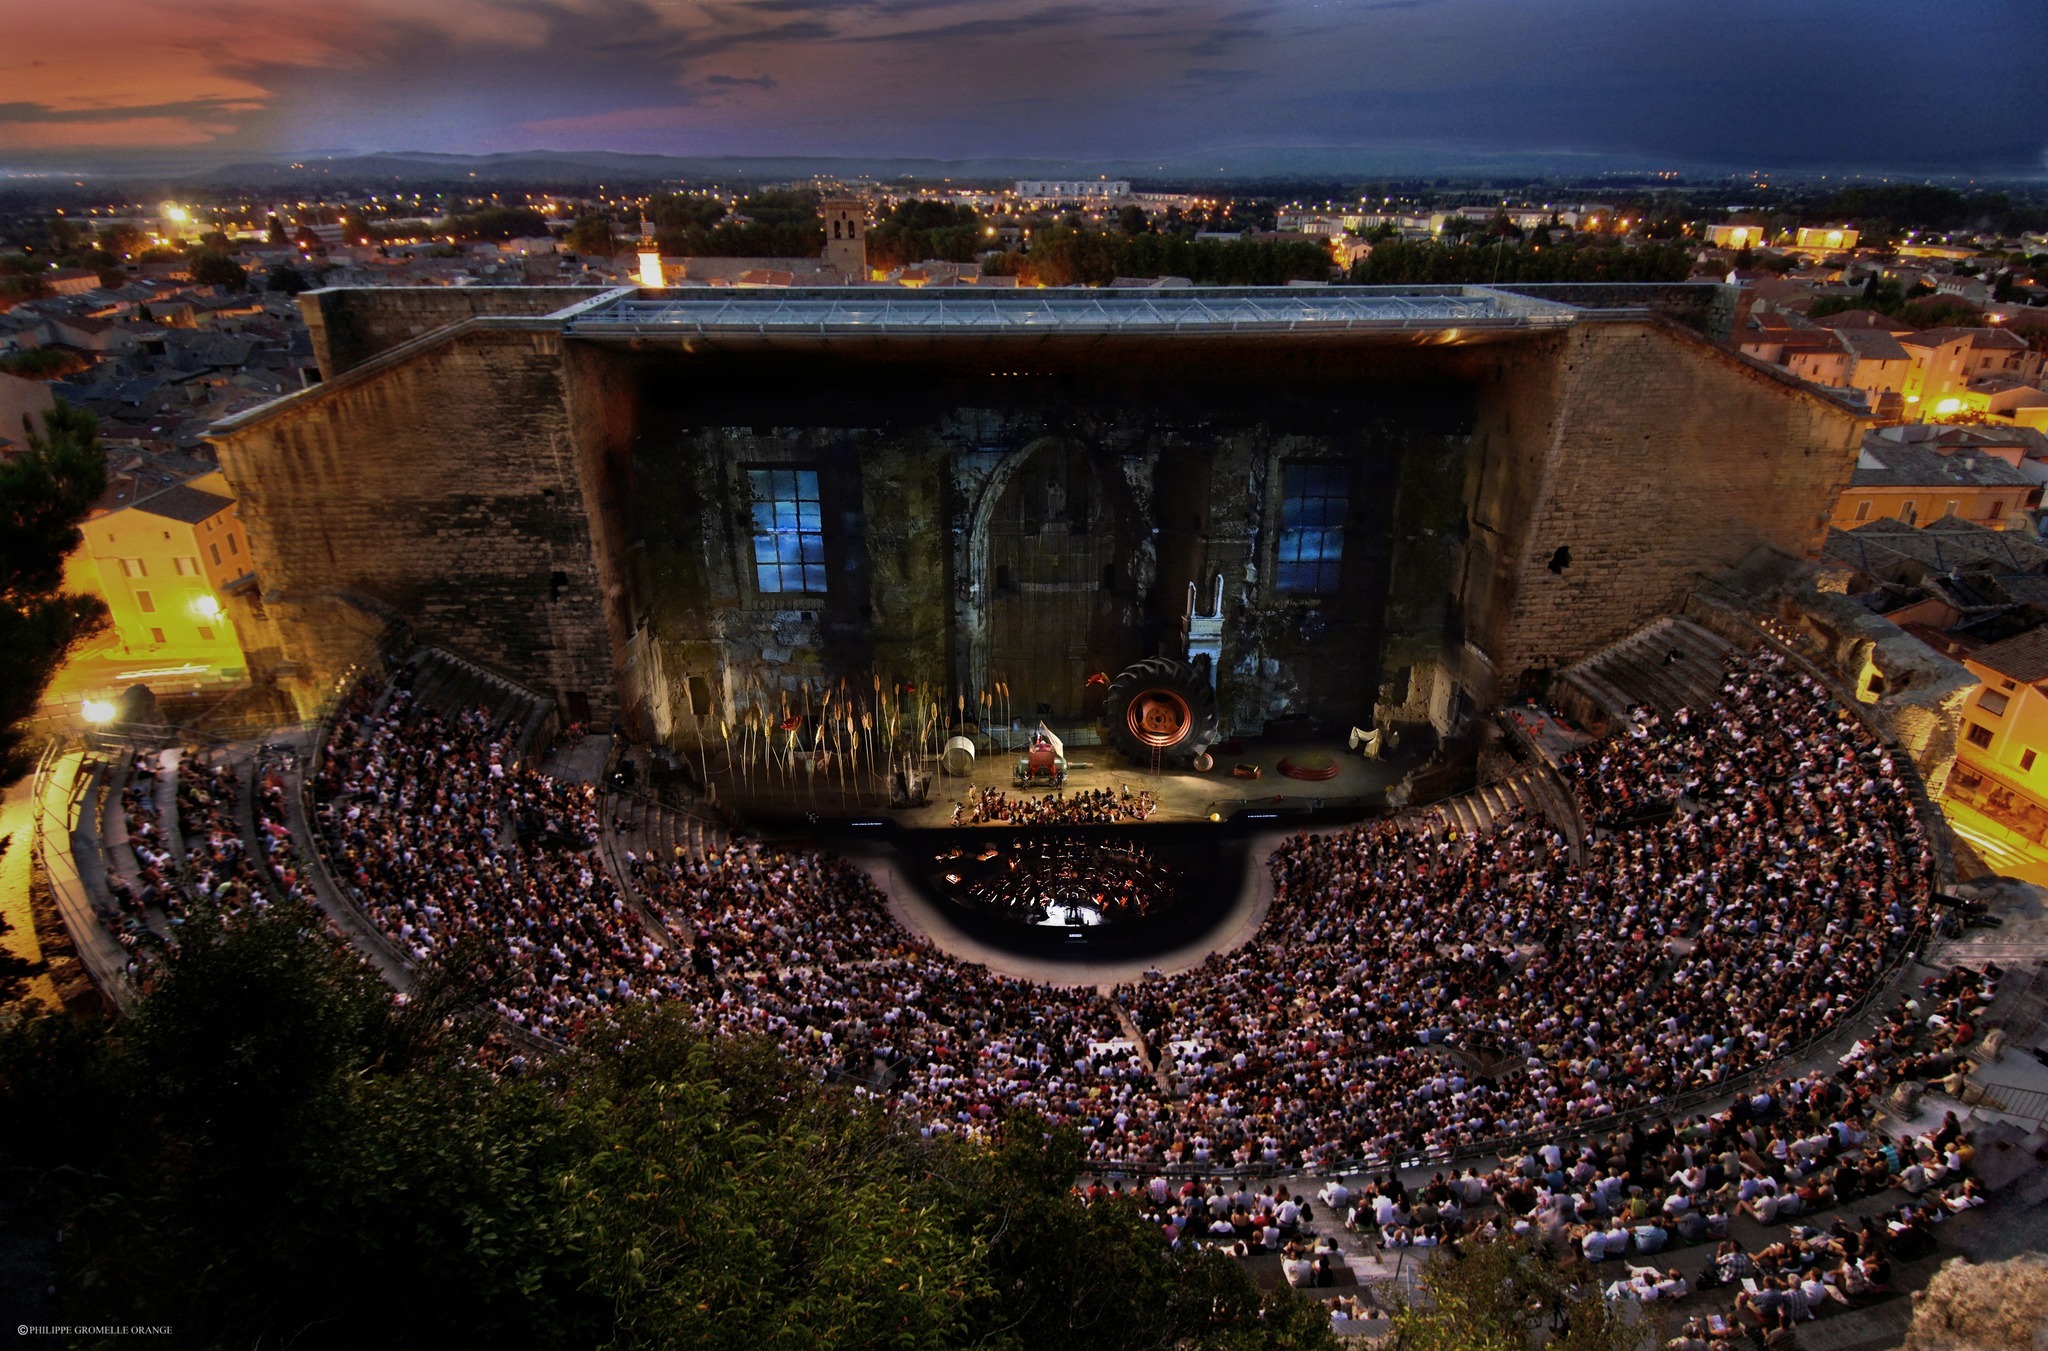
1055,502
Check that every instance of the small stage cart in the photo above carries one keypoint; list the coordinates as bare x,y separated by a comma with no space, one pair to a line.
1043,765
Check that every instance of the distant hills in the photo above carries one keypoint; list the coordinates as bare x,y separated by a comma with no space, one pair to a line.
568,170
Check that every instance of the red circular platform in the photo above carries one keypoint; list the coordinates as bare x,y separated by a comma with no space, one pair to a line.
1314,766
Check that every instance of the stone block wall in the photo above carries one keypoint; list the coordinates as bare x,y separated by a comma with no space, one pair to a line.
348,326
573,513
443,490
1644,461
1712,308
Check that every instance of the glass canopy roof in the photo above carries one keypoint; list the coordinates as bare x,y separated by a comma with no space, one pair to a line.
870,310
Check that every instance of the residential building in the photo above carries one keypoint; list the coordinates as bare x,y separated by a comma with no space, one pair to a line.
1825,238
2002,755
1074,189
1915,482
1736,236
1946,360
23,405
163,564
71,281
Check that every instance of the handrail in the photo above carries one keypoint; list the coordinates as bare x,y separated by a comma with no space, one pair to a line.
81,919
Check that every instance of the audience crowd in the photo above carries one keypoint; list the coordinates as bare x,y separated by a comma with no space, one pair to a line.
1410,993
451,849
1406,994
218,869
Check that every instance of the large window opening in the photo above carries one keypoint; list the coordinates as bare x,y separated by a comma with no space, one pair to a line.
1314,500
789,538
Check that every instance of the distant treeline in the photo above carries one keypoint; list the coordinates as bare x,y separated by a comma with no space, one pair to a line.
1400,261
775,225
491,223
1885,208
920,231
1059,255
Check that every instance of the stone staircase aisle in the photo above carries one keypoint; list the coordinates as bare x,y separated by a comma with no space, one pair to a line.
1668,664
1477,811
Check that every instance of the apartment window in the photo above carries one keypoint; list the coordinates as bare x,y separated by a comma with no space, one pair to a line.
157,636
1992,702
789,531
234,543
133,567
216,554
1978,735
1997,509
1909,511
186,567
1314,500
2027,760
1863,510
1950,509
146,601
205,634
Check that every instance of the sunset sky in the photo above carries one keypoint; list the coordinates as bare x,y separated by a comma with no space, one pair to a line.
1869,83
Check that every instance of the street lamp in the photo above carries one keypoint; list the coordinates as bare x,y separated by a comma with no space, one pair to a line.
98,712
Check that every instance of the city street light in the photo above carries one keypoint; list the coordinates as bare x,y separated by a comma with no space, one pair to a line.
97,711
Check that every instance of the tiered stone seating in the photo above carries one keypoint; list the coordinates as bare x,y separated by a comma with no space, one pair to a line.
1669,664
1523,790
652,831
452,685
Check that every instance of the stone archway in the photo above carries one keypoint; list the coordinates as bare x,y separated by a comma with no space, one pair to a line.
1052,574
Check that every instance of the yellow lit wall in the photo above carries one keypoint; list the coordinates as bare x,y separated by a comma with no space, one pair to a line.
162,578
1987,507
2005,734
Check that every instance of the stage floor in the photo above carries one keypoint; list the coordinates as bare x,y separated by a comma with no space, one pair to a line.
1359,786
1182,795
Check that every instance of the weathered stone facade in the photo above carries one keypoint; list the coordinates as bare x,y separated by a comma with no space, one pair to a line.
575,510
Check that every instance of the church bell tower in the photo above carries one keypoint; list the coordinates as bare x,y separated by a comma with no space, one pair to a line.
846,237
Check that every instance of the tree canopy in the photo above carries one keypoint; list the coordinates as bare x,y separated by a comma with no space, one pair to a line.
44,494
1494,1295
592,235
1397,262
780,224
919,230
273,1152
212,268
1060,255
496,222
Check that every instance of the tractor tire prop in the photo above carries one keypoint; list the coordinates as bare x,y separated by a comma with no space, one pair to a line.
1160,707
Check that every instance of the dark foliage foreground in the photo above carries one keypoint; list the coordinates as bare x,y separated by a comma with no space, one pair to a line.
272,1153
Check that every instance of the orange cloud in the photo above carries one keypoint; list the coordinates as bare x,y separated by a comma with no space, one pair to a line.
146,133
84,67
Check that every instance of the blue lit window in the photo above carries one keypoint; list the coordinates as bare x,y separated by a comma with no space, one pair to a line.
789,531
1314,500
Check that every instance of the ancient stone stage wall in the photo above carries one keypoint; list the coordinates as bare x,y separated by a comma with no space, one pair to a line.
572,512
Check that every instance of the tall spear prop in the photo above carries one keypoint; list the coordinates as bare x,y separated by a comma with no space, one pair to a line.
867,727
725,737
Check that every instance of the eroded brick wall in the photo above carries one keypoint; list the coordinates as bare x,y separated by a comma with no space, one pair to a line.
444,490
348,326
1655,460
